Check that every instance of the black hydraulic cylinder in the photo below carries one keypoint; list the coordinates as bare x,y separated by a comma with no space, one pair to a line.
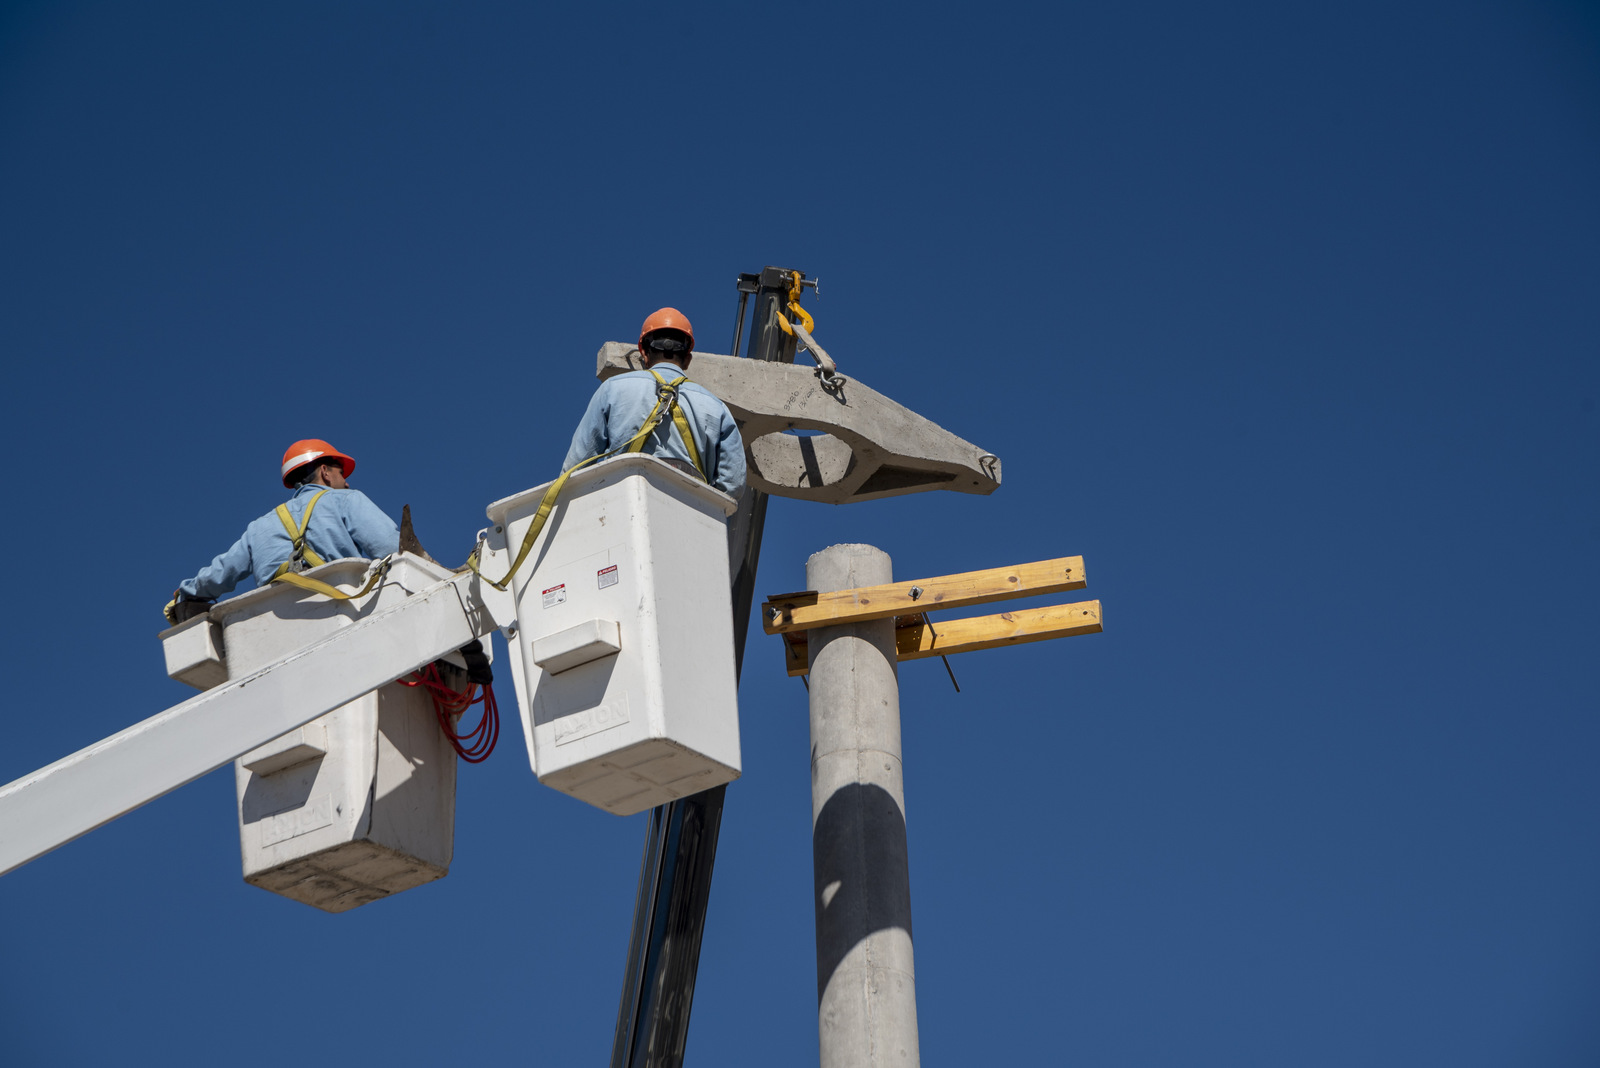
680,847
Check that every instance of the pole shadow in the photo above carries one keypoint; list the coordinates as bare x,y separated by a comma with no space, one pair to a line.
860,832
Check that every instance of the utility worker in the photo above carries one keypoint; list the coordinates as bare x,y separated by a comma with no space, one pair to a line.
323,520
620,406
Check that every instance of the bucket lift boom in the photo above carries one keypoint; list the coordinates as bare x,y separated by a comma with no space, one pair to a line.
49,808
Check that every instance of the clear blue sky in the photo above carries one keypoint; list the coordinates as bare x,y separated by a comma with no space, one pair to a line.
1283,315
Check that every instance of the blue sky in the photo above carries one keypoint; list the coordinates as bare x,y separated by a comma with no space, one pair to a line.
1283,316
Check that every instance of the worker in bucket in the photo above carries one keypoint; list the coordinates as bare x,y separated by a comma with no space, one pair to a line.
711,449
324,519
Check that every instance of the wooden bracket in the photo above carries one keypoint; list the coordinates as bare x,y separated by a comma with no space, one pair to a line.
914,639
788,612
794,614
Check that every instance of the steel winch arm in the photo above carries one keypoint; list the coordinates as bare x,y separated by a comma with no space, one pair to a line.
49,808
868,446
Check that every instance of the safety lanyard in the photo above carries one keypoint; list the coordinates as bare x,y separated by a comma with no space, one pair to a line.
666,402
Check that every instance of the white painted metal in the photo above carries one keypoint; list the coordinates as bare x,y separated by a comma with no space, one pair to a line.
639,543
52,806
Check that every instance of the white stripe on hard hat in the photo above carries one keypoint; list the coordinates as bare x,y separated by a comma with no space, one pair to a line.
295,461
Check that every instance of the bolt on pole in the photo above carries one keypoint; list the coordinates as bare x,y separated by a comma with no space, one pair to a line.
866,985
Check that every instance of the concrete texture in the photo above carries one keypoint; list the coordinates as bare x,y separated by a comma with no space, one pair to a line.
868,446
866,985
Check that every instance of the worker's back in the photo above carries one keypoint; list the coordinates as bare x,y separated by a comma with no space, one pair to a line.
622,403
344,523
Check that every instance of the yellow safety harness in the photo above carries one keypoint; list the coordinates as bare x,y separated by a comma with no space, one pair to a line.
301,557
666,403
300,554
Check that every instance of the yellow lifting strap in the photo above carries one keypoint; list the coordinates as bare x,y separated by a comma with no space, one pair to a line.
297,535
666,401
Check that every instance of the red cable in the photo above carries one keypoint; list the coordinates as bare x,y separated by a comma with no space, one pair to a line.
475,745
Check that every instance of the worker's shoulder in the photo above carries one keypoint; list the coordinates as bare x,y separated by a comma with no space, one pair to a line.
626,382
329,499
349,497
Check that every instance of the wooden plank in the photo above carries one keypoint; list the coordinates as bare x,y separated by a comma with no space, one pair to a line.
802,611
915,640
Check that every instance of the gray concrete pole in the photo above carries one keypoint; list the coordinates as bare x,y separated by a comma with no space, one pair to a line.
866,987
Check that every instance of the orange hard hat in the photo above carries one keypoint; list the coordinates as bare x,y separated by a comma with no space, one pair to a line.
666,319
308,451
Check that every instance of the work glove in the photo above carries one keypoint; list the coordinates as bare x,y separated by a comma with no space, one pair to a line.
182,607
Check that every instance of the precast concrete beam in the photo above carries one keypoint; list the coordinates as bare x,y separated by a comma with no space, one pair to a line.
865,447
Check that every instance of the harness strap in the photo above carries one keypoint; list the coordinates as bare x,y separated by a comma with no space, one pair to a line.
303,555
667,396
666,401
317,586
299,551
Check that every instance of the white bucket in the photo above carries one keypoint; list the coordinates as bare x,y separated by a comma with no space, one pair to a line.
625,628
359,803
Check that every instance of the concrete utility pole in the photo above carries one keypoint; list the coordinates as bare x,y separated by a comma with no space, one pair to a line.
866,985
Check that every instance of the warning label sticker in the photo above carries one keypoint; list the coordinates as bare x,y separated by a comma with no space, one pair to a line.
607,576
555,595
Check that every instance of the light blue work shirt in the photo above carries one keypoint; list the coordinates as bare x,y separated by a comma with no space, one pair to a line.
345,523
619,407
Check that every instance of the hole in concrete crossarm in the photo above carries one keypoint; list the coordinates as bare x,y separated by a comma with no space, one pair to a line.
792,458
829,891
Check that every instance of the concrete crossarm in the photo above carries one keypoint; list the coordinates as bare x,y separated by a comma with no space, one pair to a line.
92,787
869,446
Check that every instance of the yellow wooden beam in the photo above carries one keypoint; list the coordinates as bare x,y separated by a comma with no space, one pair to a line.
788,612
916,640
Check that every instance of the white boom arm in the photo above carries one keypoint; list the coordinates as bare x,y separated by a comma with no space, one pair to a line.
92,787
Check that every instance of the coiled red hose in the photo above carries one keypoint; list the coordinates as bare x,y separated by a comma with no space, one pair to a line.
473,746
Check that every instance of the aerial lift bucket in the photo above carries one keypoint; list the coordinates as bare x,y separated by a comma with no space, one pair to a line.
625,678
359,803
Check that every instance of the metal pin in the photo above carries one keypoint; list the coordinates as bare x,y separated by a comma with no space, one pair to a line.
946,659
916,591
